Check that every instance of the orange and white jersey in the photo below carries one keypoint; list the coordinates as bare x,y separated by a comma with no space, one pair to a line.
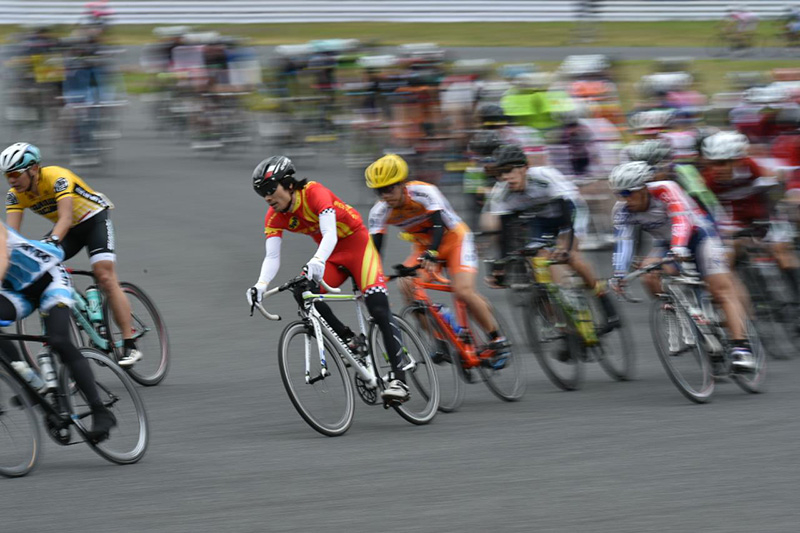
421,200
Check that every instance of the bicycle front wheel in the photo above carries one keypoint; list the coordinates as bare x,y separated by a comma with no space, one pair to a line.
127,442
421,378
20,440
444,356
680,349
555,344
150,334
327,404
503,374
615,349
753,382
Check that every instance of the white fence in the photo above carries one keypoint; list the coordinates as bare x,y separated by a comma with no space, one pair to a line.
244,11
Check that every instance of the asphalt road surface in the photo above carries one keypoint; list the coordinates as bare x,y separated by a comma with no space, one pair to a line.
229,453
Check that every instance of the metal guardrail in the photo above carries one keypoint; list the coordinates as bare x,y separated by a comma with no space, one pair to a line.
276,11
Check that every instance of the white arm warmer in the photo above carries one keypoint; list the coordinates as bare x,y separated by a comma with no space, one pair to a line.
327,226
272,260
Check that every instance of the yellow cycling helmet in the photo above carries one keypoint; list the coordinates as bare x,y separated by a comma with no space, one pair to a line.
387,170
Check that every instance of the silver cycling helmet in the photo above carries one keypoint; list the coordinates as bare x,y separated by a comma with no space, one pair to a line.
19,156
652,151
630,176
724,146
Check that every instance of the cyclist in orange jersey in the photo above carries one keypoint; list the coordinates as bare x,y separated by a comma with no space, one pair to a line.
439,234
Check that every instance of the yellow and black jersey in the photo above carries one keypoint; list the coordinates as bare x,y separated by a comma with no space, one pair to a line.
56,183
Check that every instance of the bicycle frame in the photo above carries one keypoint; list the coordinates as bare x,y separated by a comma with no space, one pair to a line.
48,408
466,349
80,313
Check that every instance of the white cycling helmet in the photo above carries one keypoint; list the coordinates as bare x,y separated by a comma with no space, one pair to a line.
19,156
724,146
652,151
630,176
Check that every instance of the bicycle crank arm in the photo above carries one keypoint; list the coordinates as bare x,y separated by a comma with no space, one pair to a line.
322,375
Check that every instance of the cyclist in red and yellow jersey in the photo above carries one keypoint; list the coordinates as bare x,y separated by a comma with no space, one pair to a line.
308,207
439,234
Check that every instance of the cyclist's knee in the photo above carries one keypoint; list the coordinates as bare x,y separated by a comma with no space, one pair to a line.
104,273
378,305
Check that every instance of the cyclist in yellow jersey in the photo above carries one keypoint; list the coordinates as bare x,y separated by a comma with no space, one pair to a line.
81,220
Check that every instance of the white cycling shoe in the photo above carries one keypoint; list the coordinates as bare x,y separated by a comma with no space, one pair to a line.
130,358
397,391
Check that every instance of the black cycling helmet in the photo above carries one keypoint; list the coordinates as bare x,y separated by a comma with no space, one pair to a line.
509,156
270,172
484,143
492,115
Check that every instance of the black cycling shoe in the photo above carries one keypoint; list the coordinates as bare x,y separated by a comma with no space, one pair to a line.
102,422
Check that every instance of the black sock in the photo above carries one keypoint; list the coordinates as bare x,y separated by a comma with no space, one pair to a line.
129,344
493,335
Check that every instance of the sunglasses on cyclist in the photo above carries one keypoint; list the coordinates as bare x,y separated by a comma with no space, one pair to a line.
380,191
625,193
17,173
268,188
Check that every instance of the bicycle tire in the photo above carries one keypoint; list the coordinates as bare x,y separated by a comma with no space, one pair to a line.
518,280
17,413
623,367
115,387
658,318
423,381
141,372
451,385
507,382
753,382
547,323
771,320
321,388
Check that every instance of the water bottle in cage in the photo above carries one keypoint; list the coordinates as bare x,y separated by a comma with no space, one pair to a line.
46,369
94,304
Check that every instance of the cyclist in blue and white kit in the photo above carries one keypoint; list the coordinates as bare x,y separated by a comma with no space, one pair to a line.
32,276
678,227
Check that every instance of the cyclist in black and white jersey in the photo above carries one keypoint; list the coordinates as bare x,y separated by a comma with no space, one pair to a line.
557,208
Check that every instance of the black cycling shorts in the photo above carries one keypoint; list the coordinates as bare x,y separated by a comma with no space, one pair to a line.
96,235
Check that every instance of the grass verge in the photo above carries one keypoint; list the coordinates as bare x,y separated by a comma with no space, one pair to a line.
668,33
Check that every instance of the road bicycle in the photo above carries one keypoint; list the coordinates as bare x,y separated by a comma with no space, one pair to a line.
94,327
313,362
566,326
690,337
775,314
458,345
66,412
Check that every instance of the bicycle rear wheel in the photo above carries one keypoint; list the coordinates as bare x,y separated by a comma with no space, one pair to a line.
753,382
20,440
557,347
680,349
150,333
127,442
327,404
614,352
443,355
421,377
504,377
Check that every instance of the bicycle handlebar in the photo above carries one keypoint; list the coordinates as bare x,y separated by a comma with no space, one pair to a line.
410,272
288,285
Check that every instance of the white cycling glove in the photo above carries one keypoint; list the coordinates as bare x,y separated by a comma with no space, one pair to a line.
260,289
315,269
